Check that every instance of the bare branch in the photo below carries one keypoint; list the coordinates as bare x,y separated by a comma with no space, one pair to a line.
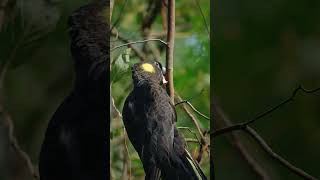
136,42
244,124
192,140
275,156
192,132
203,17
193,119
193,108
204,144
170,48
141,55
114,110
245,127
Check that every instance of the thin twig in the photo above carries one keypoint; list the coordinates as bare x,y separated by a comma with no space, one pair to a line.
170,48
141,55
275,156
244,124
136,42
192,140
193,119
114,110
204,144
192,132
193,108
245,127
203,17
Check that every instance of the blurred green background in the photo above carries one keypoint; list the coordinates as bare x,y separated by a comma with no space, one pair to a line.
191,69
262,51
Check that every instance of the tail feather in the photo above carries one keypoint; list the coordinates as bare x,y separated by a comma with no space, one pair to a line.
195,166
153,174
182,167
158,174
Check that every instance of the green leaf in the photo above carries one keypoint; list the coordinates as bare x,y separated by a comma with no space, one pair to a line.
120,66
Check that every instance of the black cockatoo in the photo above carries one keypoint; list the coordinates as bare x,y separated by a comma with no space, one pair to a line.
75,146
149,118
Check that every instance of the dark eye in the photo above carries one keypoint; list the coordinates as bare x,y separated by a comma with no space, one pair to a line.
158,64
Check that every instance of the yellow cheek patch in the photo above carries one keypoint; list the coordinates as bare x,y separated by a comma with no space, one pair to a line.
147,67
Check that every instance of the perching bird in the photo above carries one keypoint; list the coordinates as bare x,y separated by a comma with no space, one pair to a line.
149,118
75,145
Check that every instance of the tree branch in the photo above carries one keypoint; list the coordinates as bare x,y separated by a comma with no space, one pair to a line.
244,124
203,17
193,119
275,156
192,132
204,144
245,127
170,48
141,55
193,108
192,140
136,42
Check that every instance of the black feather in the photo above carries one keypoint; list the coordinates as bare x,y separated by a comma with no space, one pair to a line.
149,119
75,143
